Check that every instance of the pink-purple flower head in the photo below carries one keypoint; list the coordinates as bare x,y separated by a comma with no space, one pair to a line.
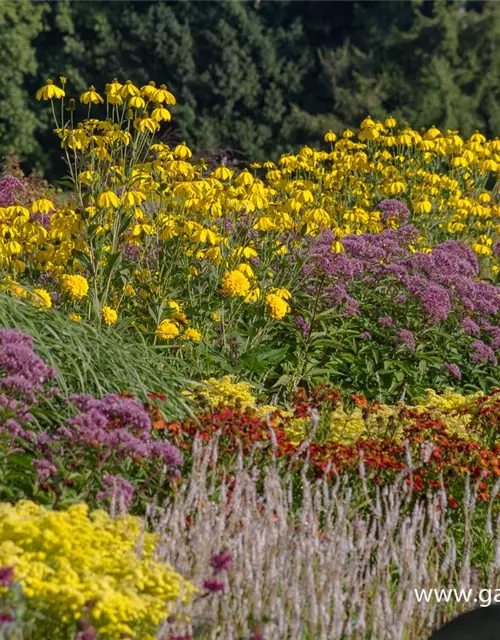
221,562
394,210
386,321
481,352
453,370
10,187
6,576
406,336
214,586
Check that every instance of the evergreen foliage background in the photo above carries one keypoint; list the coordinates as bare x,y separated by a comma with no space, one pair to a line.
255,78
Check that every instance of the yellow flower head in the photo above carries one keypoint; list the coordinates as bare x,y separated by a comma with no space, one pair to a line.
235,283
91,96
277,307
163,95
42,299
175,306
167,330
192,334
108,199
109,315
182,151
161,114
42,206
282,293
76,286
50,91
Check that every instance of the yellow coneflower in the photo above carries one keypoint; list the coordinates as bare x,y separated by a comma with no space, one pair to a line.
49,91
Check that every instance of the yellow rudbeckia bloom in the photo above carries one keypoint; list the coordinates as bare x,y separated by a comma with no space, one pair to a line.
49,91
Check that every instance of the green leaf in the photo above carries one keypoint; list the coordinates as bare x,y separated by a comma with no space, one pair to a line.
112,259
82,258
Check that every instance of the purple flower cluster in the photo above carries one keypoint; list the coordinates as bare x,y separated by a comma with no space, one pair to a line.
10,186
43,219
118,425
221,562
454,370
22,371
471,328
328,264
303,325
45,469
386,321
483,353
443,281
406,336
6,576
433,297
113,431
394,210
131,252
23,378
214,586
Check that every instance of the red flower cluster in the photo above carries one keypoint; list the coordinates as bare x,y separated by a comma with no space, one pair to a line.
437,456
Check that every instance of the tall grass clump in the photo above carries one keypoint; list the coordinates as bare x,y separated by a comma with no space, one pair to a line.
95,360
321,562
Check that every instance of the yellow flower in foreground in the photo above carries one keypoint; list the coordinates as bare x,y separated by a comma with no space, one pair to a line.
42,299
252,296
42,206
137,102
91,96
215,316
235,283
282,293
66,559
109,315
175,306
167,330
192,334
75,317
163,95
108,199
160,113
277,307
77,286
17,290
49,91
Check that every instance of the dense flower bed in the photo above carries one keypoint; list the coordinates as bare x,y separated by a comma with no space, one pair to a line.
372,265
337,314
83,570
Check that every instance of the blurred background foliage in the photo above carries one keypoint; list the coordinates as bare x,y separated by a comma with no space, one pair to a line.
255,79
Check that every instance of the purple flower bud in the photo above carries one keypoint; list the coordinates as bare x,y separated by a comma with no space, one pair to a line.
6,618
6,576
214,586
221,562
386,321
454,370
406,336
304,326
45,469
